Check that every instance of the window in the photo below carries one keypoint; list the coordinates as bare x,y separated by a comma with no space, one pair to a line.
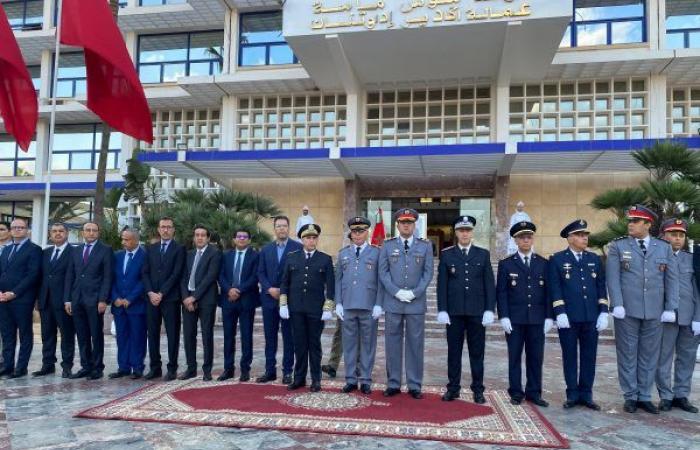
16,210
25,14
35,73
682,24
683,111
262,42
77,147
606,22
72,77
14,162
166,57
197,129
161,2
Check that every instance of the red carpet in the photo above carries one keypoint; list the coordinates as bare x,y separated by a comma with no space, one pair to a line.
271,406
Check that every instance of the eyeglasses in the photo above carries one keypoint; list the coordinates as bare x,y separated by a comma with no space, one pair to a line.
17,227
242,236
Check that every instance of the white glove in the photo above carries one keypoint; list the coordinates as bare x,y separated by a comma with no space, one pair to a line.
410,295
548,324
403,295
339,311
602,322
507,326
487,318
695,326
668,316
377,312
619,312
443,318
284,312
563,321
327,315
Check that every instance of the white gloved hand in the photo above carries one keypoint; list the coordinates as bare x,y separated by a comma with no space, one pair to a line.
563,321
695,326
619,312
602,322
410,295
339,311
403,295
487,318
668,316
284,312
377,312
548,324
327,315
443,318
507,326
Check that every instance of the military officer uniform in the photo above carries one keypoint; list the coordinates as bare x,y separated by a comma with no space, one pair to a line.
357,291
405,265
525,313
642,279
307,290
579,299
680,337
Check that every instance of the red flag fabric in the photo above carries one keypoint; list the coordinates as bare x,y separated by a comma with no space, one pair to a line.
19,106
114,91
378,234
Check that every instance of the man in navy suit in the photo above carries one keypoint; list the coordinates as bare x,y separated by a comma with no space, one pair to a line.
162,273
272,259
240,295
53,315
20,266
88,283
129,307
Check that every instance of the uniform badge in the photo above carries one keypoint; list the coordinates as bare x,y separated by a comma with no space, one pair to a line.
419,260
369,266
567,269
626,260
453,270
513,279
662,267
594,275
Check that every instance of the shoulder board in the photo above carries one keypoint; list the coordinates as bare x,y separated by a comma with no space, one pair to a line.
393,239
540,256
374,245
685,251
295,251
447,248
421,239
347,246
660,240
620,238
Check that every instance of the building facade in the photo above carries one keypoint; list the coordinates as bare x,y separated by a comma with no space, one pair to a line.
447,106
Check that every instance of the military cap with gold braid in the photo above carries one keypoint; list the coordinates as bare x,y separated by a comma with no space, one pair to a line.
310,229
359,223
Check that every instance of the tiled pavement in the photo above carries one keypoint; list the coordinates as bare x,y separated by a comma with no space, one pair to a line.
37,412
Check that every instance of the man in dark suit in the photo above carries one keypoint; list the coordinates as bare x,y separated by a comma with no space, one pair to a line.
240,295
5,240
53,315
20,267
129,307
88,283
199,292
162,274
273,256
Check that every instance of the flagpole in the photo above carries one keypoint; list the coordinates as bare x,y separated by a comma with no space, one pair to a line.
52,124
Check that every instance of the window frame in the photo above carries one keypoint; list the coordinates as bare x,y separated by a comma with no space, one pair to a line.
266,45
94,152
573,27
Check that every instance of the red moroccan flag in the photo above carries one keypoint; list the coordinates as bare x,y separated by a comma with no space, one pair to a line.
378,234
18,103
114,91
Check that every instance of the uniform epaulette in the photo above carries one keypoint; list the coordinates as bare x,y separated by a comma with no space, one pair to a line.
620,238
295,251
347,246
421,239
393,239
661,240
447,248
374,245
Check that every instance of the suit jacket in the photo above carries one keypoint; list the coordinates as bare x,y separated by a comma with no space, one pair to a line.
357,284
206,289
53,277
307,284
90,282
522,291
412,271
466,285
21,274
128,285
163,273
646,285
577,288
689,296
270,270
250,291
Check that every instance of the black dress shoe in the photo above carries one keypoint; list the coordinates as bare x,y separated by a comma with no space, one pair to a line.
296,385
630,406
315,386
365,389
118,374
170,376
590,404
82,373
66,373
665,405
245,376
415,393
152,374
449,396
516,401
569,404
5,372
19,373
287,379
648,407
225,375
45,370
186,375
479,398
539,401
206,376
136,375
95,375
328,370
349,388
390,392
265,378
685,405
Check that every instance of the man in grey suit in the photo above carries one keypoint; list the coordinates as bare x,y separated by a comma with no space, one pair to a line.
357,293
642,275
680,337
405,270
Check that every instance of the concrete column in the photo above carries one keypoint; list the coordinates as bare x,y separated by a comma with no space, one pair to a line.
42,149
351,203
500,216
231,41
500,108
657,106
46,70
355,119
49,6
229,119
38,220
656,24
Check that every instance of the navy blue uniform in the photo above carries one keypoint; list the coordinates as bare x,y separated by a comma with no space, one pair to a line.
523,298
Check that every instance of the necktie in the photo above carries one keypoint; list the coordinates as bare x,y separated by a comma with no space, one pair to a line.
405,245
578,257
130,257
163,246
237,269
357,252
55,255
464,251
527,261
12,252
86,253
642,246
308,255
190,284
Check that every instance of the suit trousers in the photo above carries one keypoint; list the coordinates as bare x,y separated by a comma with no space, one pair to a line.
359,340
170,314
205,314
404,333
16,318
579,346
231,318
272,323
676,339
131,342
54,319
468,327
88,328
638,344
306,330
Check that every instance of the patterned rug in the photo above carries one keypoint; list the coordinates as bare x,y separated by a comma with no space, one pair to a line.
271,406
